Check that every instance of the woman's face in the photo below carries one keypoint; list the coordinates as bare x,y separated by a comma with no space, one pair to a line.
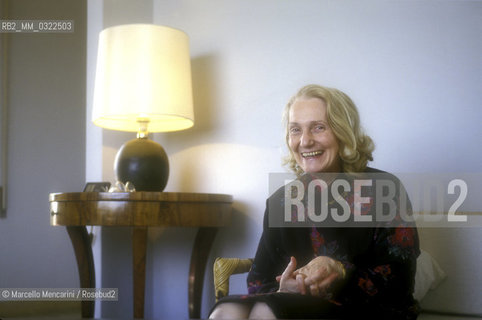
310,137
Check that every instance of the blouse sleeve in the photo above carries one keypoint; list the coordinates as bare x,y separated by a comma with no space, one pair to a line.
269,257
385,277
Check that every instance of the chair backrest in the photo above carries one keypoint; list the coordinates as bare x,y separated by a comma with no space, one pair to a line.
223,268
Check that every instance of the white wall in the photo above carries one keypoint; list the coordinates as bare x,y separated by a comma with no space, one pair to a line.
46,144
412,67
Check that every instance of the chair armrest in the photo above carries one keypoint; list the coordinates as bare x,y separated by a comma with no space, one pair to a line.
225,267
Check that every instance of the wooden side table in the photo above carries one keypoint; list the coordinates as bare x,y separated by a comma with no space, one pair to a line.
141,210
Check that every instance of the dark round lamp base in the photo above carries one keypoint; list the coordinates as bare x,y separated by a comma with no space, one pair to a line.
144,163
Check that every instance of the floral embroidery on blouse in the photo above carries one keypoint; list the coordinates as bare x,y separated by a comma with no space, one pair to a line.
317,241
367,286
384,273
254,286
320,246
384,270
402,242
365,207
403,237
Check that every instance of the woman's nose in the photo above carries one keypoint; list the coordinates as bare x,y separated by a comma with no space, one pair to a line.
306,139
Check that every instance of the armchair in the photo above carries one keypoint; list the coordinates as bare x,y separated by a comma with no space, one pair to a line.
225,267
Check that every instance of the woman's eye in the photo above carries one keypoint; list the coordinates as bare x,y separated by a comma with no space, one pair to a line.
294,130
319,127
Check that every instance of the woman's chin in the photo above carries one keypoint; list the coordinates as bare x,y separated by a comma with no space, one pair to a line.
318,168
313,169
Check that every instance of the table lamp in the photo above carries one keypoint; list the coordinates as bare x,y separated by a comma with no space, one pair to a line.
143,84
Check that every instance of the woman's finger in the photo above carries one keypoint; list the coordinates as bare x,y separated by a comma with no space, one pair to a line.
316,277
289,268
314,290
301,284
301,270
325,283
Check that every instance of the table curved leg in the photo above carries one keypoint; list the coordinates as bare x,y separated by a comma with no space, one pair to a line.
139,245
200,252
85,263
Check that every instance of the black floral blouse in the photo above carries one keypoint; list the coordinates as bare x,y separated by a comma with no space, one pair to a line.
379,259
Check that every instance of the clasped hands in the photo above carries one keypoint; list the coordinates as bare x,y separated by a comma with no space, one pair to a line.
315,278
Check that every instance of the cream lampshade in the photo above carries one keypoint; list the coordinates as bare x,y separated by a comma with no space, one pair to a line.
143,84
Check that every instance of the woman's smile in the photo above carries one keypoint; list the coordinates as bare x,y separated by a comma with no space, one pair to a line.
311,154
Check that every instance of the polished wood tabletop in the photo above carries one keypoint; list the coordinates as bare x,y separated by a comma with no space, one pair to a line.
141,210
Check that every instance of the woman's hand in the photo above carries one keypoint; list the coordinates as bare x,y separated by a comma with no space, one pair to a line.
289,282
319,274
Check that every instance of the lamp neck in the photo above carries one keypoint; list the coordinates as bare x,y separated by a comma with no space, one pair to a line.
143,133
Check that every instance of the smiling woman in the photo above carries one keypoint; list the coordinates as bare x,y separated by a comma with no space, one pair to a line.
319,271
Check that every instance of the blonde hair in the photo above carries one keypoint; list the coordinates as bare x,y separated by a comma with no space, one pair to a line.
355,147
